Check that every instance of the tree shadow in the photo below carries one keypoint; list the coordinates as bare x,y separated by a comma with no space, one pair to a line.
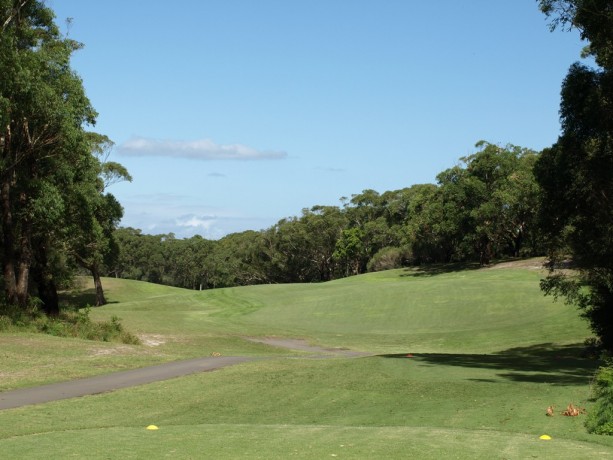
75,300
542,363
439,269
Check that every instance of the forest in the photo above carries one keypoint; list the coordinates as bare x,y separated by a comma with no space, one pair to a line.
484,208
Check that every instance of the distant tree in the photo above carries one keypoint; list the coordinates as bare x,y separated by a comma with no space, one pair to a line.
576,173
238,259
428,236
291,254
350,251
487,203
141,257
324,226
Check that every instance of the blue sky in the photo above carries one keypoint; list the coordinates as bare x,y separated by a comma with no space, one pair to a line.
233,114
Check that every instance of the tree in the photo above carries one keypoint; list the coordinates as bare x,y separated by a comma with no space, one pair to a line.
576,173
350,251
95,214
489,201
43,109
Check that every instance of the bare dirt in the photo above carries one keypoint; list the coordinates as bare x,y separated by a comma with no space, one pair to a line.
303,345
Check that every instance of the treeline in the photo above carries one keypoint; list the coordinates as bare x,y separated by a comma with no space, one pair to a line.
485,207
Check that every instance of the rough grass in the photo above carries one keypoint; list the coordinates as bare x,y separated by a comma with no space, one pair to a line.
466,364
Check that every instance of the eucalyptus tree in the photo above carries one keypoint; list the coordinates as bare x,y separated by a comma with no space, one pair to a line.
493,196
371,227
141,257
290,242
190,262
43,111
238,259
576,173
324,226
94,214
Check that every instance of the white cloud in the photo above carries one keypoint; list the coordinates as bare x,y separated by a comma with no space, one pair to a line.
193,221
203,149
166,213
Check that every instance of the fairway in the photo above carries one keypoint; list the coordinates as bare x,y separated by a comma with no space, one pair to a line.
461,364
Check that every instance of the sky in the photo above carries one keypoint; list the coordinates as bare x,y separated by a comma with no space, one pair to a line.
233,114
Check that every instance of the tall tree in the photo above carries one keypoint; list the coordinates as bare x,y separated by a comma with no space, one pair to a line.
95,214
576,173
43,109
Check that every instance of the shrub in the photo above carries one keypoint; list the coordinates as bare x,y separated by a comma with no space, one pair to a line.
388,258
600,419
5,323
69,323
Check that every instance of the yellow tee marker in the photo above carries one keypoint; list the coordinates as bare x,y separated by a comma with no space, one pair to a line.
545,437
152,427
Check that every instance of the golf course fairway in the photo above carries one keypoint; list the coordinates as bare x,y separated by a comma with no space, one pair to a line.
453,364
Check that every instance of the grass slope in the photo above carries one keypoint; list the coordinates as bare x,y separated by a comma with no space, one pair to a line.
489,355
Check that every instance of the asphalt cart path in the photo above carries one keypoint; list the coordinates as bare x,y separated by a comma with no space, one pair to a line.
123,379
116,380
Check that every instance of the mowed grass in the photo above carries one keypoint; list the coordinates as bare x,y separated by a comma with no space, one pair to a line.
464,365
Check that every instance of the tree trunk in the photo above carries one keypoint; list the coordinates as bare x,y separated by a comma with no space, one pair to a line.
24,261
100,300
47,293
16,263
43,277
8,243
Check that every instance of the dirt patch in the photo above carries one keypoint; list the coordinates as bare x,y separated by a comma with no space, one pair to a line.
303,345
116,350
152,340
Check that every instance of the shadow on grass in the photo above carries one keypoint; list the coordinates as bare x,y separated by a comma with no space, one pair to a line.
543,363
439,269
80,299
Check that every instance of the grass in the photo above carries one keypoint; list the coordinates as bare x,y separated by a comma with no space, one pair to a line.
488,355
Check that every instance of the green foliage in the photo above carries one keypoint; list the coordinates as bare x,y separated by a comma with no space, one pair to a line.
71,323
600,418
576,173
389,258
489,203
593,19
483,209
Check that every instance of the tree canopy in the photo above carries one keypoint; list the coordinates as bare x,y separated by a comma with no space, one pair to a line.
51,199
482,209
576,173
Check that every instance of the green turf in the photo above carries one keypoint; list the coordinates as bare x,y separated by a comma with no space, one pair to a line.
464,365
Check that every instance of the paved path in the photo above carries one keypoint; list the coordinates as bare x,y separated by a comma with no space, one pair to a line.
109,382
114,381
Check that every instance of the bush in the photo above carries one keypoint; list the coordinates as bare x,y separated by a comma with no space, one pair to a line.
71,323
5,323
600,419
388,258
